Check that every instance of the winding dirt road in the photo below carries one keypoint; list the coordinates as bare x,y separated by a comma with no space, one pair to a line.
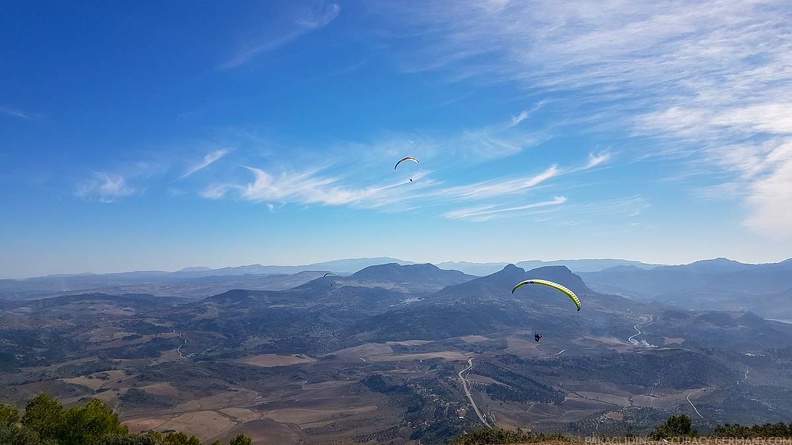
636,342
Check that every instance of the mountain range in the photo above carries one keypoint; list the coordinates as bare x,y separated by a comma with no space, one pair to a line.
631,278
709,284
378,354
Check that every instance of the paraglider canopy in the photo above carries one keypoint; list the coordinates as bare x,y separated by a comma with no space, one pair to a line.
406,158
569,293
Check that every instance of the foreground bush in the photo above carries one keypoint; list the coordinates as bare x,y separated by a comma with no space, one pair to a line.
483,436
47,422
753,432
675,426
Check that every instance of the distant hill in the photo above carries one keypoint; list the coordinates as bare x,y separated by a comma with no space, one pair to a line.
735,330
418,278
500,284
716,265
194,282
774,306
707,283
350,305
164,285
414,272
477,269
486,304
587,265
345,266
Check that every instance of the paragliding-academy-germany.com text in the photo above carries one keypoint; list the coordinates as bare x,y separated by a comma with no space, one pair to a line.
594,440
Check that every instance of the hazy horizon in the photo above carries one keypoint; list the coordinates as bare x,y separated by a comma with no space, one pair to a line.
407,260
132,139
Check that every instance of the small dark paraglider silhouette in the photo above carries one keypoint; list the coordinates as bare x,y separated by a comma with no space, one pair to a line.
537,336
406,158
330,274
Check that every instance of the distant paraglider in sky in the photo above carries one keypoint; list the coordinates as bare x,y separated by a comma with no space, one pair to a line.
331,274
406,158
569,293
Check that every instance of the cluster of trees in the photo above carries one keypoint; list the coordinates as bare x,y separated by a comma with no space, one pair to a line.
681,426
674,426
485,435
752,432
47,422
517,387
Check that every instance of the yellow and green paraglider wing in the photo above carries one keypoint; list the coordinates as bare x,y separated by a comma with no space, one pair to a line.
569,293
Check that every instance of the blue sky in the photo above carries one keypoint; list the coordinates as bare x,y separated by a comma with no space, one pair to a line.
163,135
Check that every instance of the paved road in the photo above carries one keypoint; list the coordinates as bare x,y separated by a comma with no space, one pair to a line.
694,406
466,386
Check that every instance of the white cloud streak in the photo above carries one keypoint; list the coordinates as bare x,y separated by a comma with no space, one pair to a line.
714,76
313,187
525,114
630,206
318,186
310,20
14,112
495,188
486,213
519,118
770,196
104,187
596,159
208,159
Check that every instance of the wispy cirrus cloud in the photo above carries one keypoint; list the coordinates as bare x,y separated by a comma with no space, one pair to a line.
490,143
308,20
208,159
770,193
624,211
314,186
486,213
596,159
499,187
525,114
512,186
104,187
123,179
519,118
322,186
629,206
712,77
14,112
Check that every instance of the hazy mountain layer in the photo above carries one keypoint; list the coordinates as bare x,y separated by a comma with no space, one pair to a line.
380,355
